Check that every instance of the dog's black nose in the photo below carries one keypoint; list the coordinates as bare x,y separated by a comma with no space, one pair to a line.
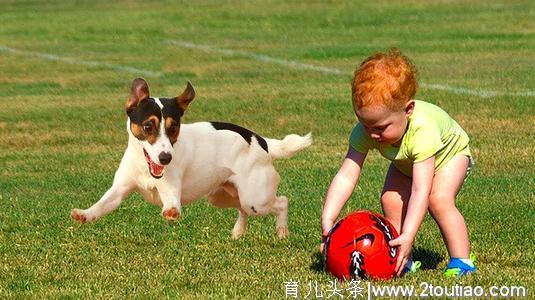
165,157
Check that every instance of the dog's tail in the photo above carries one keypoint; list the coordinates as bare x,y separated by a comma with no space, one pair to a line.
289,145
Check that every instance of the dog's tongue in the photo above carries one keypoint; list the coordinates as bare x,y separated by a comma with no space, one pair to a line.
155,169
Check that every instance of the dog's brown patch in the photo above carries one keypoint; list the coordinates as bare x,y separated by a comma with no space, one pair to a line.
137,131
148,130
153,124
172,128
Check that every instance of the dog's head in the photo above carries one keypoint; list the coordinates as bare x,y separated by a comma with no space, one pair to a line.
155,123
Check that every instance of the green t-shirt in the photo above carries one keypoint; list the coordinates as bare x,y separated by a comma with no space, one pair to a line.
430,132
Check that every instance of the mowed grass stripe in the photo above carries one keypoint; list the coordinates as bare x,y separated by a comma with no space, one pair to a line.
327,70
77,61
260,57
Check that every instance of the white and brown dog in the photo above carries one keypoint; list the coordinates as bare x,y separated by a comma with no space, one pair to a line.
172,164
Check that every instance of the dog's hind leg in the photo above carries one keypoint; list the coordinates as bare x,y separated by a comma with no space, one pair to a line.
241,224
226,197
258,196
280,210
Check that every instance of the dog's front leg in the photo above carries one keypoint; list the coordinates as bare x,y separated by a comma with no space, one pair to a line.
121,188
170,193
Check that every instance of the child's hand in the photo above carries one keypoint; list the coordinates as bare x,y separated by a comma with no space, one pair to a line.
404,244
326,225
323,237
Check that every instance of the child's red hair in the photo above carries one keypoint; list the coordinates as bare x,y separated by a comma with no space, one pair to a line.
384,78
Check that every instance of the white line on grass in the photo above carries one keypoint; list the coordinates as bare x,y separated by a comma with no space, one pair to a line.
327,70
260,57
76,61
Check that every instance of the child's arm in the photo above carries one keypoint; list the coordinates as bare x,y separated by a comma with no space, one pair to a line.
422,181
341,188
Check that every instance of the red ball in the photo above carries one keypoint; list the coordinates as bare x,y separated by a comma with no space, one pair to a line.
357,246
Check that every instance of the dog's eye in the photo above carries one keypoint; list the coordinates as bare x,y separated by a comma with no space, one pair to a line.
147,127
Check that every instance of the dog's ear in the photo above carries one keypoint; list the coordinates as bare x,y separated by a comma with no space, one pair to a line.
186,97
138,92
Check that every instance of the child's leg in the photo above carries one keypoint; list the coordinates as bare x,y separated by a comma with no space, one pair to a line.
446,184
395,196
394,200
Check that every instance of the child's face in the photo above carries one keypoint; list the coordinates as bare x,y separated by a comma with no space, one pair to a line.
384,125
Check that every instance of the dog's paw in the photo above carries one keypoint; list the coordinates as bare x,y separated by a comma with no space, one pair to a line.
236,234
78,216
282,232
171,214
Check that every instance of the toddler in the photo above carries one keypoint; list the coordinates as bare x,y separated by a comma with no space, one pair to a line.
429,153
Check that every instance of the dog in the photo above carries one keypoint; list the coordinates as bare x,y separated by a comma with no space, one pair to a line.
173,164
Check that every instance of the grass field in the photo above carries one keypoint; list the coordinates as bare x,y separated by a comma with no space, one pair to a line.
65,70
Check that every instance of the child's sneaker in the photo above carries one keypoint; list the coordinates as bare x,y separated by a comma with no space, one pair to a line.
457,267
412,266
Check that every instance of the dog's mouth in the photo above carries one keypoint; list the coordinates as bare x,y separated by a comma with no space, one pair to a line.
155,169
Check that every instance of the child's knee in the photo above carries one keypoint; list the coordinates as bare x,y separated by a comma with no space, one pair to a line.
441,204
389,198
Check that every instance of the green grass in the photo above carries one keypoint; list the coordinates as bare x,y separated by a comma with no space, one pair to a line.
62,134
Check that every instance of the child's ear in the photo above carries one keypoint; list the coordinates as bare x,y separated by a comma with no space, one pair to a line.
409,107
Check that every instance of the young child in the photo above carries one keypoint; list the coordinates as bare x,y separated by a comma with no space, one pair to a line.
429,153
